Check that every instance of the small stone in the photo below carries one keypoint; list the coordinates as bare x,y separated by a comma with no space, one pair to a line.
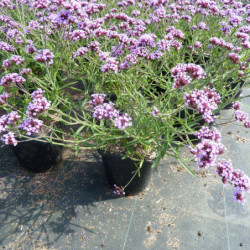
200,233
149,229
241,244
164,208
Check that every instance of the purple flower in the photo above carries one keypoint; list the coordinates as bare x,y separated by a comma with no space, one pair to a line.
122,121
237,105
155,112
80,52
204,101
111,65
202,25
17,60
247,124
206,133
41,4
240,116
9,139
3,123
197,44
12,77
31,126
12,117
240,181
206,153
239,196
37,94
77,35
234,58
44,55
3,97
183,74
118,191
98,99
25,71
105,111
6,63
224,169
6,47
94,46
31,49
37,106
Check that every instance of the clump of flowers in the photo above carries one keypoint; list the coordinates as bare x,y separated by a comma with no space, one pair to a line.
235,177
206,153
209,134
240,116
108,112
38,105
158,58
204,101
183,74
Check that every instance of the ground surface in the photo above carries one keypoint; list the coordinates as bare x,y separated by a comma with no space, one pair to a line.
71,208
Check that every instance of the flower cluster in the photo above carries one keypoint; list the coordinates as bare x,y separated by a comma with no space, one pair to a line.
98,99
11,78
155,111
208,134
107,111
31,126
204,101
6,47
206,153
3,97
126,48
38,105
9,139
118,191
6,123
235,177
184,73
44,55
14,59
240,116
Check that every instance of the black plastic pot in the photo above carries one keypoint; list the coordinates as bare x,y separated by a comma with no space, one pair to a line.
119,172
36,156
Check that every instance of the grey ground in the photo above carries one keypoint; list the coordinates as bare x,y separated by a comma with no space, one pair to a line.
72,208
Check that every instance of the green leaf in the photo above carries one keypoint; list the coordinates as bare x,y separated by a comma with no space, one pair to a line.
79,130
186,167
77,149
161,154
2,89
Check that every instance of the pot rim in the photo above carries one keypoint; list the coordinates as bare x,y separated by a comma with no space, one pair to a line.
102,152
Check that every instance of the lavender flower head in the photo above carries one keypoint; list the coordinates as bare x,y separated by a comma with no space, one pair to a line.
9,139
122,121
206,133
206,153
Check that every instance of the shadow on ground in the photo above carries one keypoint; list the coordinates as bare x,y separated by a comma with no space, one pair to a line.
40,207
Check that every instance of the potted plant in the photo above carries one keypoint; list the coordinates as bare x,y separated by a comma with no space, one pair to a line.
131,60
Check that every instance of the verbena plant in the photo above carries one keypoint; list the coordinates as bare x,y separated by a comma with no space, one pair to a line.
130,77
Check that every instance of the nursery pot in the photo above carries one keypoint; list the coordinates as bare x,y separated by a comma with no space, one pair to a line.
36,156
119,172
